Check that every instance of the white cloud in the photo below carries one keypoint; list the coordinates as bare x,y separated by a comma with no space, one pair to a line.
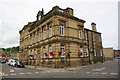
14,14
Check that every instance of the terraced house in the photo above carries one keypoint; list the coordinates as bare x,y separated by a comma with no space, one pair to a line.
59,39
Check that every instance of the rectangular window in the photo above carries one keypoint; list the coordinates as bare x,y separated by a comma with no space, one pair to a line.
101,52
44,34
50,32
62,49
80,33
81,50
95,52
93,36
50,48
44,50
87,53
39,36
99,38
62,30
85,35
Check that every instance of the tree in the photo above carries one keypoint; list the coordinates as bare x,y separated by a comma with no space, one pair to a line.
12,49
3,49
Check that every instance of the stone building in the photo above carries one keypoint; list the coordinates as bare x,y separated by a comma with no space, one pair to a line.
108,53
59,39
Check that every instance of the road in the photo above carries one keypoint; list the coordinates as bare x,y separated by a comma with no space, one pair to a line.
108,69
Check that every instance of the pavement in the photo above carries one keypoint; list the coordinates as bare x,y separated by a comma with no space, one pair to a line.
60,69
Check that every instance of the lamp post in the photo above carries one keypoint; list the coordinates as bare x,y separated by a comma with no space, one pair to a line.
65,62
35,60
65,59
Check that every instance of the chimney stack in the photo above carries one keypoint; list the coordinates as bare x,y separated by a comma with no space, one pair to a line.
93,26
69,11
40,14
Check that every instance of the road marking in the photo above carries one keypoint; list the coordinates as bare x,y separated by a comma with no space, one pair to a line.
29,73
2,73
84,66
95,72
48,71
74,72
43,72
100,69
36,72
113,73
18,68
6,75
13,74
21,73
104,73
11,70
87,72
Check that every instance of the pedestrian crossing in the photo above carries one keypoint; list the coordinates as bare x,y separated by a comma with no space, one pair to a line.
73,72
24,71
91,72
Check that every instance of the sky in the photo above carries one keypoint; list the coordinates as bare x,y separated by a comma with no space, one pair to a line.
14,14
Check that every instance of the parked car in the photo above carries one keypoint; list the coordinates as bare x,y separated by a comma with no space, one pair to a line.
118,57
10,61
2,60
19,64
15,63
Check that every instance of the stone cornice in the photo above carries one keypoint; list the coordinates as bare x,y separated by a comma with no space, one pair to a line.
57,41
53,13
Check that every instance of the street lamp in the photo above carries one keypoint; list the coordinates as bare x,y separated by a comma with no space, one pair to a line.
65,53
35,59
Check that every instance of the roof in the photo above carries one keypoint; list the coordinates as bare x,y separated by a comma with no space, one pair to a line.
92,30
3,55
53,13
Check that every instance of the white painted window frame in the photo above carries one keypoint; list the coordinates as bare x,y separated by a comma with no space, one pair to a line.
87,52
85,35
95,54
50,32
61,30
39,36
101,53
81,50
93,36
80,33
44,34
